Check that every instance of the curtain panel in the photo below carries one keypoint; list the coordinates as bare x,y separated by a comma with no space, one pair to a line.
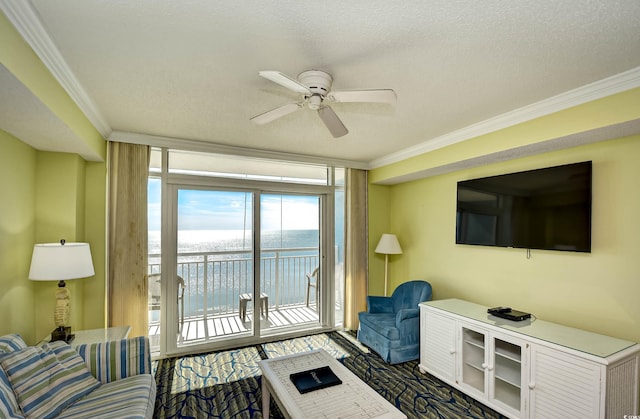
356,245
127,284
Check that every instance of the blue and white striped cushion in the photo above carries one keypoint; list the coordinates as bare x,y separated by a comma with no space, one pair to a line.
11,343
116,359
47,379
131,397
8,404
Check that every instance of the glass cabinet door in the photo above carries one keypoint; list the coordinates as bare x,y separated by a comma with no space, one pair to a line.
507,373
474,359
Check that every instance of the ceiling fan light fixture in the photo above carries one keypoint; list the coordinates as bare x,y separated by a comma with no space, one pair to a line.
314,102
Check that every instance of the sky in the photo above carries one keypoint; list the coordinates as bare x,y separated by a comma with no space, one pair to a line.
225,210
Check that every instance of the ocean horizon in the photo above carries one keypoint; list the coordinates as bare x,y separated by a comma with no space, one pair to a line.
223,240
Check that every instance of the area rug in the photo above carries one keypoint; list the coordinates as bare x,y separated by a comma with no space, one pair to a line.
226,384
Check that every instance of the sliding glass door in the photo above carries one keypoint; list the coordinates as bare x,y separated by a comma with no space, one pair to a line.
214,265
247,264
290,259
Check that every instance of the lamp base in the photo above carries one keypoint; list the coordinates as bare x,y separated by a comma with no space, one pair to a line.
62,333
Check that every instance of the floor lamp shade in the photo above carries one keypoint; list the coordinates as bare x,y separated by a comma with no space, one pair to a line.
388,245
59,262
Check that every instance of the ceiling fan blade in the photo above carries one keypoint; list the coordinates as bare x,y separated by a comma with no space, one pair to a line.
331,120
286,81
374,96
276,113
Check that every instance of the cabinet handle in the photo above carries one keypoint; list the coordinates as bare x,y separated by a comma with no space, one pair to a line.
532,385
484,365
452,351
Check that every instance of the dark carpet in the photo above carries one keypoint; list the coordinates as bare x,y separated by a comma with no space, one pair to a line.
226,384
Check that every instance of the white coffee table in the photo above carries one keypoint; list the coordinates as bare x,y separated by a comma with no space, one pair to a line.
352,398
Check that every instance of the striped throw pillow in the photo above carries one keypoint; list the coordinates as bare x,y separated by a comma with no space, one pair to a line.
47,379
10,343
8,404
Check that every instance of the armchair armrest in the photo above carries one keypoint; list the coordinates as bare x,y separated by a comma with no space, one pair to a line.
406,313
377,304
113,360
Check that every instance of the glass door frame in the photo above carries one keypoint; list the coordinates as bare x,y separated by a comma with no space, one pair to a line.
171,183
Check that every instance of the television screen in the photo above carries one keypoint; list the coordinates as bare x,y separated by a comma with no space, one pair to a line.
546,208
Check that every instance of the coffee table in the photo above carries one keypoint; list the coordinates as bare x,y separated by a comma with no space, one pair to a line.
353,398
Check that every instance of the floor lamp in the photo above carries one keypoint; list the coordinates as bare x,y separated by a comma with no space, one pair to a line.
388,245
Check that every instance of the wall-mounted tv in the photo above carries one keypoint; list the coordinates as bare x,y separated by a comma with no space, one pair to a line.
546,208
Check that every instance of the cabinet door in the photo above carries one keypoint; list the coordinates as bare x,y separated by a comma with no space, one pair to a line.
438,345
473,360
562,385
508,372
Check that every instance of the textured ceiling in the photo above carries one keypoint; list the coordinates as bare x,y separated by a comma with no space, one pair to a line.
189,69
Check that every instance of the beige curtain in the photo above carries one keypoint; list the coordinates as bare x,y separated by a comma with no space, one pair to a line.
356,245
127,283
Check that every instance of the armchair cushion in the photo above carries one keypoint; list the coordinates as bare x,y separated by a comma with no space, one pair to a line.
378,304
382,323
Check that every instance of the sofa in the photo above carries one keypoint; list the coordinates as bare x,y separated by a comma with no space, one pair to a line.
55,380
391,325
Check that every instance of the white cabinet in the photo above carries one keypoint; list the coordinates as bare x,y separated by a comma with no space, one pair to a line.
531,369
563,386
492,368
440,351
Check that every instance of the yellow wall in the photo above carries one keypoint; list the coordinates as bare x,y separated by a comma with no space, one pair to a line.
45,197
17,229
596,291
66,187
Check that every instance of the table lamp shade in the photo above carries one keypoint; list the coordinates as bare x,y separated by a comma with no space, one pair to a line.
389,245
57,262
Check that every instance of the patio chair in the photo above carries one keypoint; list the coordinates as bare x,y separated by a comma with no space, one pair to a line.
312,282
154,296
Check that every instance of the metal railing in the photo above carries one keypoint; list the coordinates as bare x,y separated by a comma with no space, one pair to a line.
215,280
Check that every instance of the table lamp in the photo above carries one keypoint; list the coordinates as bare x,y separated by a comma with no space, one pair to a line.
59,262
388,245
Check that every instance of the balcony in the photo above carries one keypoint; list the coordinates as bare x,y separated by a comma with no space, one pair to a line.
210,285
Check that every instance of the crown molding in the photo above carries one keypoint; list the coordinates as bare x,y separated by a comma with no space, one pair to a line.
207,147
26,21
602,88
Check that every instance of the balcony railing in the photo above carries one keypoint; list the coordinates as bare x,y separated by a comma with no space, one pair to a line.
214,280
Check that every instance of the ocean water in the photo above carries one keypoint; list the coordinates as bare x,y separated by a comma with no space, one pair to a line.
221,240
217,266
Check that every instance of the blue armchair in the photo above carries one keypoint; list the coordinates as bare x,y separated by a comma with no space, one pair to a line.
391,325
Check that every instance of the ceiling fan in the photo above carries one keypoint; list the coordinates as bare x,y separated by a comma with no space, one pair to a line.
315,88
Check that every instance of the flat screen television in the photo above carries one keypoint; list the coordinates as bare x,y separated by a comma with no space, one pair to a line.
546,208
